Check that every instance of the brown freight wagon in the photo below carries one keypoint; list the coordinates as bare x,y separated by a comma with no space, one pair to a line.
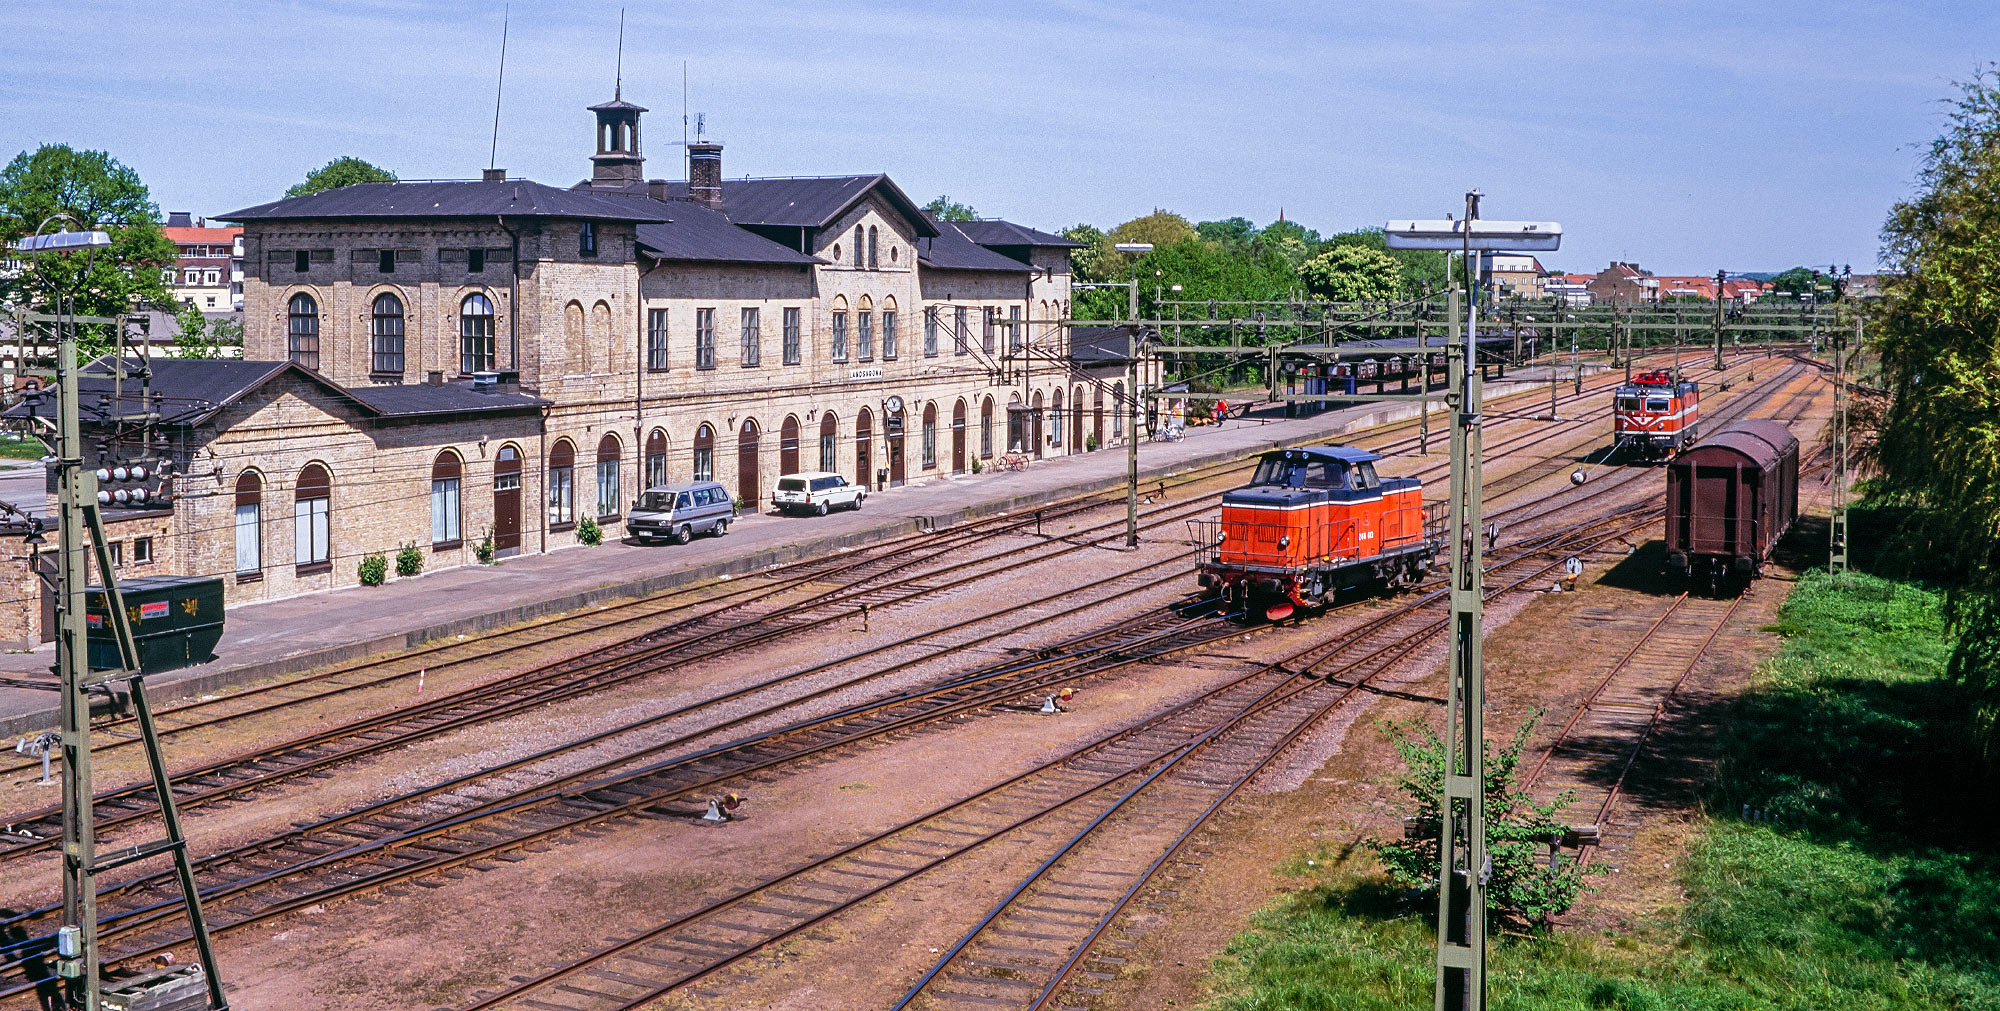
1729,498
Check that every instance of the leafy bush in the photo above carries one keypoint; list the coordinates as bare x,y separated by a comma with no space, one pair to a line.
588,532
484,552
976,467
409,561
374,569
1518,830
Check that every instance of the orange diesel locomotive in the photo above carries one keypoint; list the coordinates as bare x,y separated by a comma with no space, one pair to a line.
1312,522
1654,415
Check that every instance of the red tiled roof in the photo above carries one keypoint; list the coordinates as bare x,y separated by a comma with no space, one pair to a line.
189,236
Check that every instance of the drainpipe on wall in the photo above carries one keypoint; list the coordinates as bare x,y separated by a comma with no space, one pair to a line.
542,468
641,364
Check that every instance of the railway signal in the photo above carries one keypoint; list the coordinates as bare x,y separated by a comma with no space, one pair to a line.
1463,865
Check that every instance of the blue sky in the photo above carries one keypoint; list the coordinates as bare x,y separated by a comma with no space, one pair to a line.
1687,136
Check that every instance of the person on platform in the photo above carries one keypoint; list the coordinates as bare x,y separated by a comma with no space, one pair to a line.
1221,411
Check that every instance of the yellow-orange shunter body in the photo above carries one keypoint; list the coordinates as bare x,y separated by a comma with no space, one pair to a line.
1312,522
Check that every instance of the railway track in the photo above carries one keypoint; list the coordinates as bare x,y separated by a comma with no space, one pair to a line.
1076,793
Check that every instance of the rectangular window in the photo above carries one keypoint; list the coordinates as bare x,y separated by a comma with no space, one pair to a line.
607,487
309,531
930,332
211,277
753,338
889,335
586,239
1014,331
475,261
827,447
930,444
791,336
562,496
656,469
989,329
166,276
301,260
385,261
117,551
959,334
656,340
704,464
249,543
142,550
704,338
840,336
867,335
444,510
191,276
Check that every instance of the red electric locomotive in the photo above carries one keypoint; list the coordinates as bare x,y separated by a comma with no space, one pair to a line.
1654,415
1312,522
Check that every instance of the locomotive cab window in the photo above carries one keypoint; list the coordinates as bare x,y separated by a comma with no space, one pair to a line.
1656,403
1628,403
1365,479
1325,474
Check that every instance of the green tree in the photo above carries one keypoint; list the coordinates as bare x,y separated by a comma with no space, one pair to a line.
1939,449
197,336
344,171
96,191
1518,829
1229,233
1801,281
1352,274
1161,228
1422,270
945,208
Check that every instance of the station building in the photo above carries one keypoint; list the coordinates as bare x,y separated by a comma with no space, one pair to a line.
433,364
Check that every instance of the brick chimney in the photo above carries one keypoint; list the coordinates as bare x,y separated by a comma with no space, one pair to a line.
705,174
493,175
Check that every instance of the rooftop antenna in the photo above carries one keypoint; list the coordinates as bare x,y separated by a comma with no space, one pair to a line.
493,156
687,164
700,124
618,80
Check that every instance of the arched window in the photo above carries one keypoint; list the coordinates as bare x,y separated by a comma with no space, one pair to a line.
1118,409
656,458
447,472
889,328
386,327
600,336
788,445
930,436
562,485
249,525
840,328
748,462
864,320
857,246
475,334
607,477
312,520
829,442
958,437
986,427
1056,419
873,262
864,444
704,453
302,331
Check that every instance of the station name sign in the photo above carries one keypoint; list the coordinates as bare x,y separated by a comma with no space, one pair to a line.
864,374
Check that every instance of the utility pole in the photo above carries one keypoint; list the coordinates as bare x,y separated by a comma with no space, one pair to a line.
1837,523
1461,954
1132,419
1719,276
76,941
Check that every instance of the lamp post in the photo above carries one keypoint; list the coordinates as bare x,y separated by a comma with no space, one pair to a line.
1462,865
1132,398
76,939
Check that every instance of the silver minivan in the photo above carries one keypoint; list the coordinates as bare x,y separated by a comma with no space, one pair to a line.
680,511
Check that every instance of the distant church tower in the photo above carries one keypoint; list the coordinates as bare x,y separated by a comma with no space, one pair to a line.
617,162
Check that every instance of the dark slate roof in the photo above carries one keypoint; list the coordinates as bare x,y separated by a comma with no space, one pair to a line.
697,233
995,232
469,199
950,249
807,202
1100,345
417,399
190,391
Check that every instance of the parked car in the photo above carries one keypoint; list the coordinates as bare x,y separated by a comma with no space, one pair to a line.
816,492
680,511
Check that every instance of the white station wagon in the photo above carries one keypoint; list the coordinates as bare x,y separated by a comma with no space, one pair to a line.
816,492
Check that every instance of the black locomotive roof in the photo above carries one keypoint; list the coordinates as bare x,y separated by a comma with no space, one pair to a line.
1345,454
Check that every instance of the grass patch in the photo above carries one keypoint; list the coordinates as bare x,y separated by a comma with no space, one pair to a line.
16,448
1864,881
